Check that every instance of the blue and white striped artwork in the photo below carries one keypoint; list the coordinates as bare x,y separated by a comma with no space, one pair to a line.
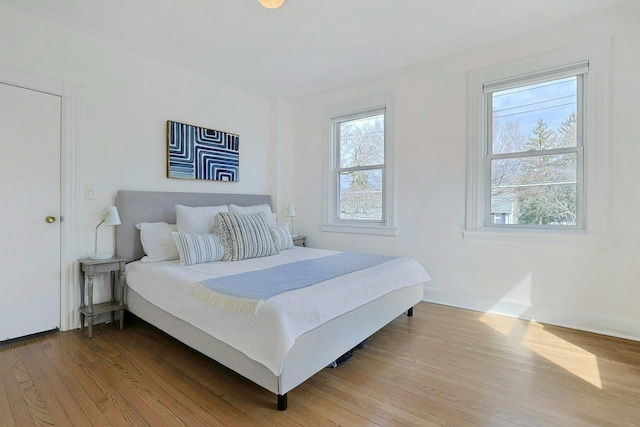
199,153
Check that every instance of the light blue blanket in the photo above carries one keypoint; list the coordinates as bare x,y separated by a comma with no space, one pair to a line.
245,292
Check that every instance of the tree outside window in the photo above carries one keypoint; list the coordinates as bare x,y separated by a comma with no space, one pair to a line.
534,153
360,166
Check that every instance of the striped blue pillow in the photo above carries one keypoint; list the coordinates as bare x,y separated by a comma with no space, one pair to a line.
198,248
244,236
282,237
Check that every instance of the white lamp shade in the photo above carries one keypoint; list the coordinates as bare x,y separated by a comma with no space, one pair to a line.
111,216
291,210
271,4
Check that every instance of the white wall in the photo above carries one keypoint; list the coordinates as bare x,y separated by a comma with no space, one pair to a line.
126,100
579,287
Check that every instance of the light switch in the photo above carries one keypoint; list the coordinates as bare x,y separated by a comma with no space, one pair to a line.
90,193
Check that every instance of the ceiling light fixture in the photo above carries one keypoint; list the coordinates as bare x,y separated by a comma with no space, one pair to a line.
271,4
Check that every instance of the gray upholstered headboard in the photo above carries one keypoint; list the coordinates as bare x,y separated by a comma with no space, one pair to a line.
156,206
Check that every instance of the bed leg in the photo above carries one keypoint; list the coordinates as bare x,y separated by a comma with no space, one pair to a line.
282,402
410,312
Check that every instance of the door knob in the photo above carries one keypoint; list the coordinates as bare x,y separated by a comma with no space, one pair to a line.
50,219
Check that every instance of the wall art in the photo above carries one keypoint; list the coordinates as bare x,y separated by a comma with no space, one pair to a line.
200,153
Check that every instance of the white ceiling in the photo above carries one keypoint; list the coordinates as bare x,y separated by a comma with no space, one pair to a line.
308,46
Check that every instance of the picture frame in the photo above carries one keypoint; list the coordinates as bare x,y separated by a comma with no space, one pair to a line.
195,152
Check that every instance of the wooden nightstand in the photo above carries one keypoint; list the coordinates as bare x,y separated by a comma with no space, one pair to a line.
88,268
299,240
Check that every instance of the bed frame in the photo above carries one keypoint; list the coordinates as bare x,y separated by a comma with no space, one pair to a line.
312,351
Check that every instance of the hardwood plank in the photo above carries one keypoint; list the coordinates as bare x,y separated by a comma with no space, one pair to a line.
154,395
228,391
316,397
50,387
78,392
114,405
456,379
179,358
32,410
188,407
381,408
443,366
18,406
6,417
99,404
140,400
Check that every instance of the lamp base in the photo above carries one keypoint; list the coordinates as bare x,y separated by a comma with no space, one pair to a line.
100,256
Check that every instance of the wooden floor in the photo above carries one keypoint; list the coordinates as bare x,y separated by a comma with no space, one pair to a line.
444,366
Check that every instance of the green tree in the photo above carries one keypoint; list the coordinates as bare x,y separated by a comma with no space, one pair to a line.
541,137
566,170
547,190
568,131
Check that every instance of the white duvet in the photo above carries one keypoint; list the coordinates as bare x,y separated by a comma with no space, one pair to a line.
268,336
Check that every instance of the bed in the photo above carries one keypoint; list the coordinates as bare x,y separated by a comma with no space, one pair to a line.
289,356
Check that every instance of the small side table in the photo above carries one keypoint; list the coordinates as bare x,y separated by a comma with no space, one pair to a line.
88,268
299,240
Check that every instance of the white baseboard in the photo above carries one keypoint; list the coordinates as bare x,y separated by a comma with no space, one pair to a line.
589,322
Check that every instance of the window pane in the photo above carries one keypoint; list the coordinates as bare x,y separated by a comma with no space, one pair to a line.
361,195
535,117
539,190
362,142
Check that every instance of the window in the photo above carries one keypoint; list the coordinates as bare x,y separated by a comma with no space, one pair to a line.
359,196
538,147
359,173
534,149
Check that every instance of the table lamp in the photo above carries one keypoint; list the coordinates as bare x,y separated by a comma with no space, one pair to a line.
291,213
110,217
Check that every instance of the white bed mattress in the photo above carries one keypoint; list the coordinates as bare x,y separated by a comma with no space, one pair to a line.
269,335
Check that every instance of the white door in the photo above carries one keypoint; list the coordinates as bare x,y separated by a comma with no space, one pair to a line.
29,193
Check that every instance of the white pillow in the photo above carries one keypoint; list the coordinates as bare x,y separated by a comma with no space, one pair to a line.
157,241
282,237
197,220
198,248
247,210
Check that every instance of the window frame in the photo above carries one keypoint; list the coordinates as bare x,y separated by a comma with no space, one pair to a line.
331,219
580,71
336,135
594,231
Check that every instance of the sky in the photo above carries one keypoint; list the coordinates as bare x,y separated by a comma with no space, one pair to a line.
552,101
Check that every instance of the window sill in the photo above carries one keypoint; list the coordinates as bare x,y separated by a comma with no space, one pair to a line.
540,237
360,229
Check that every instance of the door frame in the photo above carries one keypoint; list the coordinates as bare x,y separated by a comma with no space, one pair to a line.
70,125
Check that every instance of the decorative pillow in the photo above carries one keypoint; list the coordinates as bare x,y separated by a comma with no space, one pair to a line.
198,248
244,236
157,242
197,220
246,210
282,237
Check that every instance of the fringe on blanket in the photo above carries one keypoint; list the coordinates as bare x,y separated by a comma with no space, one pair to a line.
227,302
